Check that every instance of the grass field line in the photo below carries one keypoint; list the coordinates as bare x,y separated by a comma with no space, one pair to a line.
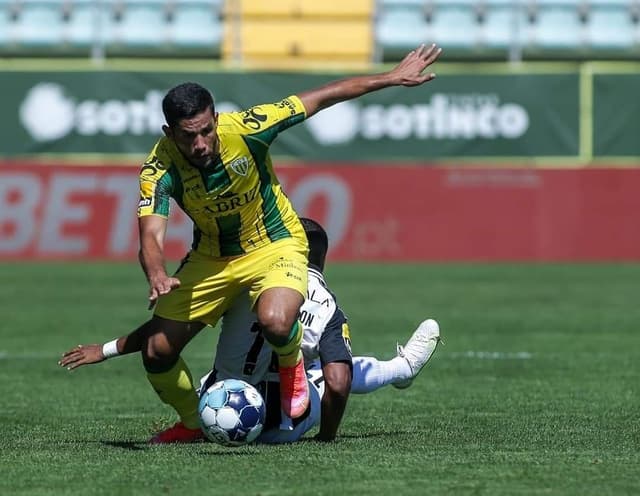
480,355
492,355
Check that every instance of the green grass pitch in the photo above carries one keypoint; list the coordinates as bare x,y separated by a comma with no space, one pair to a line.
536,390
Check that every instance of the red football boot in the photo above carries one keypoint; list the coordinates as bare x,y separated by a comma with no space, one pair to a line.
178,433
294,391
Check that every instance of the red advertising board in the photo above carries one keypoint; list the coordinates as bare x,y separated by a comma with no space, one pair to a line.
377,213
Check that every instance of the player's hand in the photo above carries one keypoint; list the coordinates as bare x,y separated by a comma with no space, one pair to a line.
159,286
83,354
409,72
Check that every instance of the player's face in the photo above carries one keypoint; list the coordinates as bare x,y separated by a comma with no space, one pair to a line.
196,138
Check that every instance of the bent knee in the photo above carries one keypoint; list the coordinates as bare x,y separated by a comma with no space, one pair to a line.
276,323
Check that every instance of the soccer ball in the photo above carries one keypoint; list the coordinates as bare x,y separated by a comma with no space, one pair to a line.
232,412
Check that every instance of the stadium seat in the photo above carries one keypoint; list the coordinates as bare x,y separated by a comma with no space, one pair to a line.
143,23
503,24
400,26
39,23
610,26
215,5
413,4
196,25
333,9
538,5
5,22
454,25
283,32
89,23
305,39
401,30
557,25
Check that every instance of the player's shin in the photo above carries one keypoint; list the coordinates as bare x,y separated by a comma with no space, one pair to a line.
294,393
288,349
175,387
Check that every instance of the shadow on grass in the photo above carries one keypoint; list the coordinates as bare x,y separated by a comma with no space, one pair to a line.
144,446
127,445
380,434
242,451
343,437
227,451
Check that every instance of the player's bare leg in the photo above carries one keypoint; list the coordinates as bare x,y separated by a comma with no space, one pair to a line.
277,310
170,377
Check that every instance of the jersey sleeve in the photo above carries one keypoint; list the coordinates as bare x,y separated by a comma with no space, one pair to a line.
156,186
266,121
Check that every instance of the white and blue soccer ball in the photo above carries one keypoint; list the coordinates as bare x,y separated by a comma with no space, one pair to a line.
232,412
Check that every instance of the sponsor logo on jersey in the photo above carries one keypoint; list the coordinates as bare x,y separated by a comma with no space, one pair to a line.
146,193
144,202
286,103
253,119
240,166
282,263
226,205
151,167
291,275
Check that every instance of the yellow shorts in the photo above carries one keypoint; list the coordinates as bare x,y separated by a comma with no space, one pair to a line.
209,285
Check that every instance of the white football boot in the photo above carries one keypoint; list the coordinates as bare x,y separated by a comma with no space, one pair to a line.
419,349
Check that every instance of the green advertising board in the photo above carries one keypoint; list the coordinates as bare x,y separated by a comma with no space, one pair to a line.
459,115
616,115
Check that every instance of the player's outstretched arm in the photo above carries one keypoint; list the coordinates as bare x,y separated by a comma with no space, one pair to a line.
409,72
87,354
82,354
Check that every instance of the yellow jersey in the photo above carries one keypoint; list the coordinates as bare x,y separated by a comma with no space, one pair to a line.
236,204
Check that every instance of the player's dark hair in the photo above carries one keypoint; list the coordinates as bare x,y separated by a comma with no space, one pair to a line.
185,101
318,242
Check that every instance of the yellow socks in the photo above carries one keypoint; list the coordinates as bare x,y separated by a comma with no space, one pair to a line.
288,352
175,387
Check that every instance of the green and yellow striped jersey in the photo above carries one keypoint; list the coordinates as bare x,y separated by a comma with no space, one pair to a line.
237,204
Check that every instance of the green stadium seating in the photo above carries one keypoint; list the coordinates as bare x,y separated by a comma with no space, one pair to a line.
611,26
575,29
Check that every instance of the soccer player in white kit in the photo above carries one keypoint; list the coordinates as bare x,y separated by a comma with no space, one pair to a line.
331,370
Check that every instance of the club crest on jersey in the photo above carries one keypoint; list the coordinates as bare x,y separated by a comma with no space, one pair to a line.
240,166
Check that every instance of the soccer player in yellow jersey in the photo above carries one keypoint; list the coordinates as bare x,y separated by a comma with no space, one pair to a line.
247,235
